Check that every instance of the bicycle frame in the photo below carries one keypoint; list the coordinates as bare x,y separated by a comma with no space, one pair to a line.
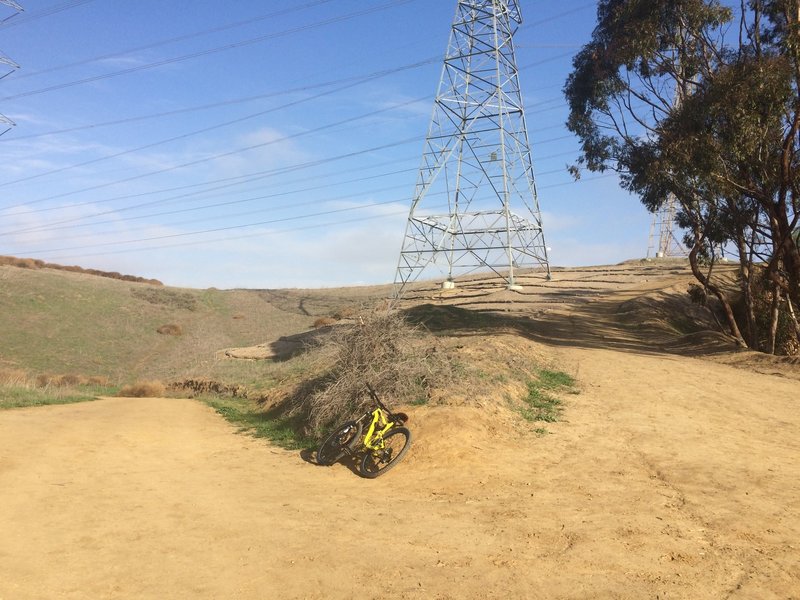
378,427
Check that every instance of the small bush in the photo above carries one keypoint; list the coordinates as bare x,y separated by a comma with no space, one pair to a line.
170,329
202,386
348,312
70,380
31,263
383,350
143,389
324,322
44,380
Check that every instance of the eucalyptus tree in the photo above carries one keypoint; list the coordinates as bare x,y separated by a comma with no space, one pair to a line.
694,99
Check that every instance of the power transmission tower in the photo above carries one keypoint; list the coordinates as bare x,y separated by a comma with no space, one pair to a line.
476,164
663,243
8,65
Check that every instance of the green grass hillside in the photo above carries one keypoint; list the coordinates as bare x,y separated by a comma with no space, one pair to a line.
55,321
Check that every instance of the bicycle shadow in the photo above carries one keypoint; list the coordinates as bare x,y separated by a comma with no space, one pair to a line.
309,455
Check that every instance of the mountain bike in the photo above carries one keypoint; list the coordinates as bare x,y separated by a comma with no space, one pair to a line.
384,444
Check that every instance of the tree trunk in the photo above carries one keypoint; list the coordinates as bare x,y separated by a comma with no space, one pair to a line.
726,306
793,317
746,284
774,315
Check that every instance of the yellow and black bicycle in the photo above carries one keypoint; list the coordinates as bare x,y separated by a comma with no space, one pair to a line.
384,444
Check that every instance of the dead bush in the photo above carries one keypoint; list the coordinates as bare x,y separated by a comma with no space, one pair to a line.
14,377
166,297
44,380
382,350
31,263
170,329
143,389
324,322
70,380
202,386
347,312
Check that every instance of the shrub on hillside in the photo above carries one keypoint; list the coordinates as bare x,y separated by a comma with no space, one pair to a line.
44,380
166,297
324,322
32,263
346,312
170,329
14,377
143,389
383,350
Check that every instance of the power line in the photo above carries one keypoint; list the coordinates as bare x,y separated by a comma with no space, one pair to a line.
243,179
70,223
218,229
172,40
260,234
189,134
257,176
45,13
233,101
226,154
367,79
239,237
215,50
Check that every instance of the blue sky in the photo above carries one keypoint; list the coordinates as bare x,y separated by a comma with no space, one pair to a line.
243,144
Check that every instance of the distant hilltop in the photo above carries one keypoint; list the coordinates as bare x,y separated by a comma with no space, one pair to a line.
32,263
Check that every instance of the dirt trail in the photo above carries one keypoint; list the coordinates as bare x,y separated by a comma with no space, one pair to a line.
671,477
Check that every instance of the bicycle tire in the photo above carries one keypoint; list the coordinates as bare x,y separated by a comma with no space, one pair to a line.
377,462
343,439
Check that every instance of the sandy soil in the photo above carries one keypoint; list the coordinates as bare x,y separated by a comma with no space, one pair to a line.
671,476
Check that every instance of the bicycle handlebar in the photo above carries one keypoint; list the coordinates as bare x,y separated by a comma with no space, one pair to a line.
374,396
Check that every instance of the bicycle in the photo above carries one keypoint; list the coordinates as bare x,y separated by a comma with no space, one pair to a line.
381,448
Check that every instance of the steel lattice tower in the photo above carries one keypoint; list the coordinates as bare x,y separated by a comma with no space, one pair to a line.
662,242
476,164
8,65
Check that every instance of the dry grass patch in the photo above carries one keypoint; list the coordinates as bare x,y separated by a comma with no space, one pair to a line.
14,377
166,297
34,264
143,389
44,380
170,329
324,322
19,389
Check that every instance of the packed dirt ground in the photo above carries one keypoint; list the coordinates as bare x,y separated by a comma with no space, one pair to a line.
672,474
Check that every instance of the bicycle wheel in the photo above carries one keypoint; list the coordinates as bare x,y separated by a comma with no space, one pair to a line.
377,462
337,444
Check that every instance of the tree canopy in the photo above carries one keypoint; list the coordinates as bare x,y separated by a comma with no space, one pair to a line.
701,100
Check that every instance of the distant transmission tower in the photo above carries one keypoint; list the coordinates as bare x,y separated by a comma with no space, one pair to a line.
663,243
8,65
476,163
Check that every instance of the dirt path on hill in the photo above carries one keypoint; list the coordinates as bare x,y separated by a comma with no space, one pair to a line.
670,477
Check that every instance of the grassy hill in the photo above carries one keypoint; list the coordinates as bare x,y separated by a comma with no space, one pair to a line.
55,321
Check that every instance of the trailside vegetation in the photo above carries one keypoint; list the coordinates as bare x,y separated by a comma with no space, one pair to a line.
700,100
